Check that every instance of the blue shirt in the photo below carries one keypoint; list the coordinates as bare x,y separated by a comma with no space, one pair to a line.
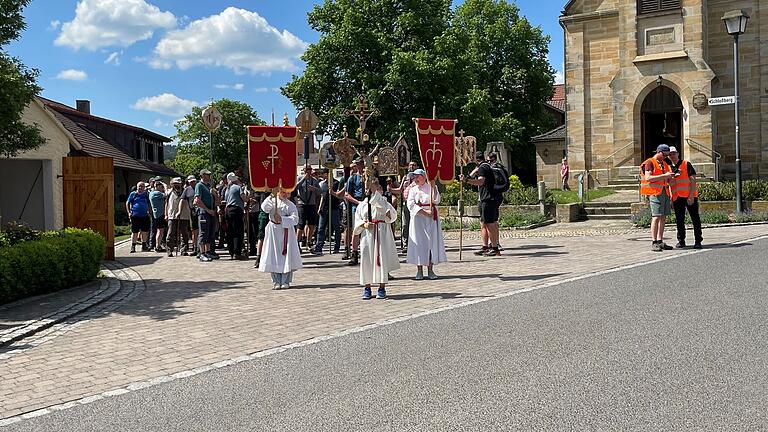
355,186
139,203
232,196
202,191
157,199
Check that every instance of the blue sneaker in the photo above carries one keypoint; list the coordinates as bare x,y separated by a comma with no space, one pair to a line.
381,293
366,293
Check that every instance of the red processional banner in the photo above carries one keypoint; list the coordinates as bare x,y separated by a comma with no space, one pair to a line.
436,147
272,157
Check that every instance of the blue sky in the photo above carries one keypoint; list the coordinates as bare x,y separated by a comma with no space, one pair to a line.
146,62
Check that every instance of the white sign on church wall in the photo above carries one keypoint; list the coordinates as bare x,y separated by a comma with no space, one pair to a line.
725,100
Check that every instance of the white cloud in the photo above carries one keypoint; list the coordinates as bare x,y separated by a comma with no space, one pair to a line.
230,87
261,90
114,58
559,77
167,104
72,75
236,38
54,25
102,23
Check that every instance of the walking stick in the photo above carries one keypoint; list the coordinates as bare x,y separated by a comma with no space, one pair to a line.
330,212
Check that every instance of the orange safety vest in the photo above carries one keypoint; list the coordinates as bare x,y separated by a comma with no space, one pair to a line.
681,187
654,187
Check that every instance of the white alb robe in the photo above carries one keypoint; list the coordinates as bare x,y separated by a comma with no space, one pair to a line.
378,255
272,258
425,235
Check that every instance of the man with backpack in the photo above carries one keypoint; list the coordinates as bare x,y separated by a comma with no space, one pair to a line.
492,180
137,207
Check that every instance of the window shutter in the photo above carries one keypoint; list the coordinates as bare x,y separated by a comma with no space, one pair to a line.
649,6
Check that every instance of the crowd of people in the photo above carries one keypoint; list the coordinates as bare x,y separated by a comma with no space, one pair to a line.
189,217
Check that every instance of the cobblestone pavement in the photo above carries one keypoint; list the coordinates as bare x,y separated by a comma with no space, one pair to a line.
192,315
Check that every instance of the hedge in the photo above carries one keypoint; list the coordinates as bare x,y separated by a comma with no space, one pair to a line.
751,190
56,260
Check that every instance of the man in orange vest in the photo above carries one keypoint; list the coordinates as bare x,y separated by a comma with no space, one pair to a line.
685,195
654,183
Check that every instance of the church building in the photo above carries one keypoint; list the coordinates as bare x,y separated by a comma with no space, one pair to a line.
639,73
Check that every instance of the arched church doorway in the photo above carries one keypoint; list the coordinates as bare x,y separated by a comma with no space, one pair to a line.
662,120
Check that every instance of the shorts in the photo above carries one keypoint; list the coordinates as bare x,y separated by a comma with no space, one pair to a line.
161,223
307,215
194,222
489,211
207,229
140,224
263,221
660,205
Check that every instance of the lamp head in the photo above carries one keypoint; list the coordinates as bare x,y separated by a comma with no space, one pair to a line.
735,22
318,136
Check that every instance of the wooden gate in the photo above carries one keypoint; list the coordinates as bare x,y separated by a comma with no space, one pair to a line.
89,197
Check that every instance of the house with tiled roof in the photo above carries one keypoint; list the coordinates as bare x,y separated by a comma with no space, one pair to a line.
31,184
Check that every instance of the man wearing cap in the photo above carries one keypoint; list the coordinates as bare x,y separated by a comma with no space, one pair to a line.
655,175
177,213
685,195
194,218
235,198
152,186
488,204
207,212
355,193
307,192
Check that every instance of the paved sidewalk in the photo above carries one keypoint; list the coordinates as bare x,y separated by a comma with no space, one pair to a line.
193,314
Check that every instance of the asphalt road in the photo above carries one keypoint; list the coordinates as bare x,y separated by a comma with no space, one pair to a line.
677,345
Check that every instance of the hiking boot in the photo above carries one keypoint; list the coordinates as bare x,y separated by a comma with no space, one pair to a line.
665,246
366,293
381,294
656,247
492,252
482,251
680,245
697,245
419,275
431,275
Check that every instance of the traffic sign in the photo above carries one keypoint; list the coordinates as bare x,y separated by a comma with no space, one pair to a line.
725,100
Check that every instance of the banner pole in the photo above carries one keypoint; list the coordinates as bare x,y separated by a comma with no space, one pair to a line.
330,212
461,215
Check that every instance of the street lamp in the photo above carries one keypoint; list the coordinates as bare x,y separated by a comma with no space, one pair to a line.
319,138
736,25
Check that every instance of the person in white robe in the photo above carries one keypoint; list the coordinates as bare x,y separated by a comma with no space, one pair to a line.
426,245
378,255
280,253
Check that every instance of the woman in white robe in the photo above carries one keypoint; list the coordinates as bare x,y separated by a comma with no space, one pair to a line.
378,255
426,245
280,253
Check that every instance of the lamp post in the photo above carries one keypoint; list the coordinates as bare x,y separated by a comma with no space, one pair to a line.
736,25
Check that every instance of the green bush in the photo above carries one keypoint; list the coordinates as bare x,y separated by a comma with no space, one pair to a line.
55,261
515,183
715,217
751,190
122,230
751,217
18,232
516,219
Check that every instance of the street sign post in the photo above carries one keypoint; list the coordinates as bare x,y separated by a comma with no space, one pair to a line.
725,100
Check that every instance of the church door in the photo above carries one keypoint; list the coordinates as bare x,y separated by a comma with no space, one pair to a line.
662,119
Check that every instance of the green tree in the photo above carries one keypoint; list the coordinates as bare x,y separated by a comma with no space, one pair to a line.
230,149
189,163
483,64
18,85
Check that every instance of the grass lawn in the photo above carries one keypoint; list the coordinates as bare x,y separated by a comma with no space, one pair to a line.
568,197
122,237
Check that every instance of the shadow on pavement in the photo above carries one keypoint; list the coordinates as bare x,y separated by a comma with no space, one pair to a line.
530,277
532,254
725,245
417,296
526,247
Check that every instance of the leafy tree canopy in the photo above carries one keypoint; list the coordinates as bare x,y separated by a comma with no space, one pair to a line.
230,141
483,64
18,85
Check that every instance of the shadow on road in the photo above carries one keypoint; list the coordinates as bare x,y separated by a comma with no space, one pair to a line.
530,277
442,296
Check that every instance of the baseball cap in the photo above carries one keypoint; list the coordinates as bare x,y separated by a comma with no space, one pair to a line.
205,171
420,172
231,177
662,148
673,149
176,180
191,178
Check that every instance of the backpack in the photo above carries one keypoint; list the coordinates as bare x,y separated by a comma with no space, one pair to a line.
500,178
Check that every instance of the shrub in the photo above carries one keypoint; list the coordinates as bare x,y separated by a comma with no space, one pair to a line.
55,261
751,217
642,219
18,232
526,196
715,217
122,230
515,183
751,190
516,219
